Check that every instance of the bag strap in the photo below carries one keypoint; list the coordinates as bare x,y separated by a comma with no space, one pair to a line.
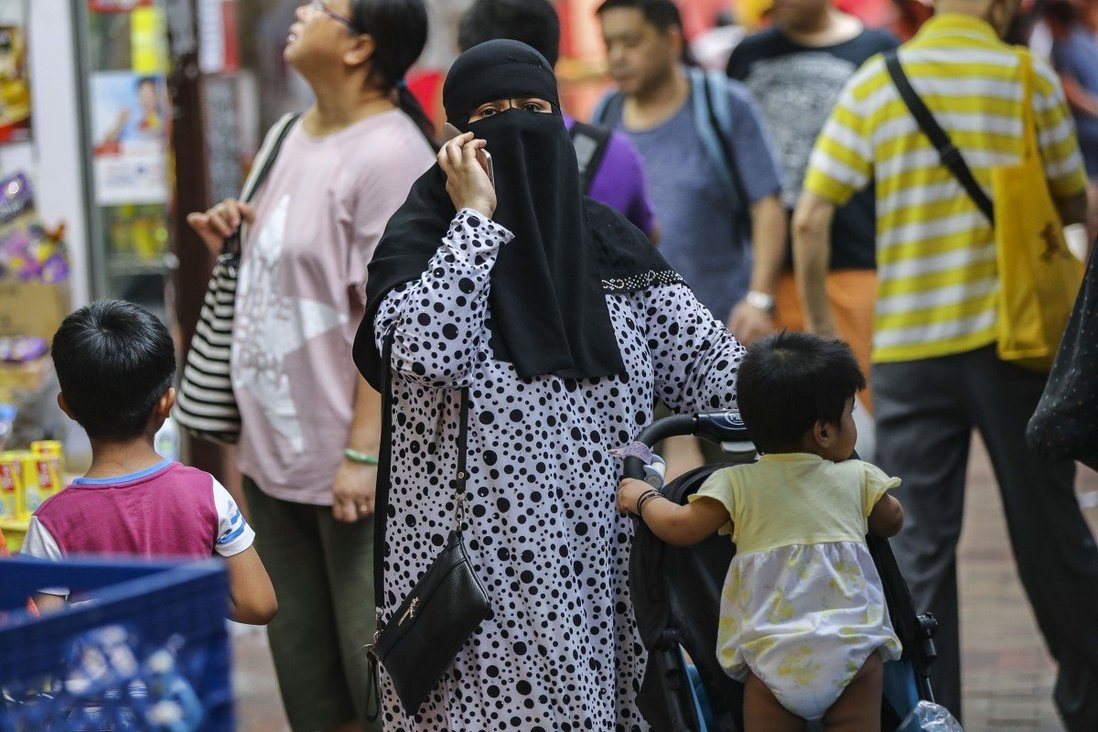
381,511
384,471
607,107
713,119
1029,123
381,491
261,166
590,142
947,152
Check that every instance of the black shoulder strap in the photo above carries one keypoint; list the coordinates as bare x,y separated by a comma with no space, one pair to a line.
590,142
948,153
729,156
385,462
462,476
381,509
384,469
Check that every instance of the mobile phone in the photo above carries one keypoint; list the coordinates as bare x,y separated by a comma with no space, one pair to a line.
488,167
449,132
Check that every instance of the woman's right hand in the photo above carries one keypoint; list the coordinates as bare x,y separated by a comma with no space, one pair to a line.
466,177
220,222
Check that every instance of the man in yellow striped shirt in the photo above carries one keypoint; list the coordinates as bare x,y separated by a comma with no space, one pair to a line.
935,371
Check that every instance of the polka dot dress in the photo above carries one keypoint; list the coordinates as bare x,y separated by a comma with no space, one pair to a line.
560,651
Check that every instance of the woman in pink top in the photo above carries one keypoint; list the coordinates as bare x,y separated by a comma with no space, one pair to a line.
310,424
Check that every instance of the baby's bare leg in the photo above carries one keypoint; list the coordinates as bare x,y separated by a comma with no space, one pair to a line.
762,712
858,708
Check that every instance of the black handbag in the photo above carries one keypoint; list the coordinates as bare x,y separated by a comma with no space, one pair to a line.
1065,424
205,406
424,634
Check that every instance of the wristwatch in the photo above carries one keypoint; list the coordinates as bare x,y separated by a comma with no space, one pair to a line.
760,301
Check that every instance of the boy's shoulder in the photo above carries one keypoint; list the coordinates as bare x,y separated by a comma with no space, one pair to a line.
75,492
184,470
181,476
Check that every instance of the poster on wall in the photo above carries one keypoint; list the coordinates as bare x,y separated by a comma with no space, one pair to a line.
15,98
131,138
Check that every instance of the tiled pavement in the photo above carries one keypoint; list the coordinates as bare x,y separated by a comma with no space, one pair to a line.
1008,674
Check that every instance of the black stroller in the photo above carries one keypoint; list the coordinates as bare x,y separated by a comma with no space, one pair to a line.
676,597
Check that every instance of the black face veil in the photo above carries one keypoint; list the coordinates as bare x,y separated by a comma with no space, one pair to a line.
548,312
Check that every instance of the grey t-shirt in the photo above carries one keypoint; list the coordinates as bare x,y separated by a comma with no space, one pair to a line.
702,235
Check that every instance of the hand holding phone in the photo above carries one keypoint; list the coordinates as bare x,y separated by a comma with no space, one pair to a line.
449,132
468,186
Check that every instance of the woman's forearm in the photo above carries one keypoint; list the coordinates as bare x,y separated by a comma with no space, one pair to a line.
440,319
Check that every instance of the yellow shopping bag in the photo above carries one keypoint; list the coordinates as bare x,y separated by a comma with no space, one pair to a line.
1039,277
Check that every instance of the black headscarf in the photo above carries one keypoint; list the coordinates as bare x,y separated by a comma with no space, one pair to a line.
547,304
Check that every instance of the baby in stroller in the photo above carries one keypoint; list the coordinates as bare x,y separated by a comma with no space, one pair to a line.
803,618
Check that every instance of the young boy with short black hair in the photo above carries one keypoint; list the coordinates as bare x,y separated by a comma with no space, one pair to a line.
115,362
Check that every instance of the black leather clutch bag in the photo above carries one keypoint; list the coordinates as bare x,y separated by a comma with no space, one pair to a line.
428,629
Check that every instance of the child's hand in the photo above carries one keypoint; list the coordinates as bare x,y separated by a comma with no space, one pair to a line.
629,490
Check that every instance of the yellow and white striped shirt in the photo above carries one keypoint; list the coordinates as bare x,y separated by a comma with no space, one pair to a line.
936,271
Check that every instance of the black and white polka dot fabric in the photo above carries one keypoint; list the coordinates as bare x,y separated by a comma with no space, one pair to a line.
560,651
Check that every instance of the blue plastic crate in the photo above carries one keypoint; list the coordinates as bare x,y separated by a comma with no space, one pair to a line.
149,651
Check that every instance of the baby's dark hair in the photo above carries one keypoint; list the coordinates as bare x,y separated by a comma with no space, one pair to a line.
789,381
114,360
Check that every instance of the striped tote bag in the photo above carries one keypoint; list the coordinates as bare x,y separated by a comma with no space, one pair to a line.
205,406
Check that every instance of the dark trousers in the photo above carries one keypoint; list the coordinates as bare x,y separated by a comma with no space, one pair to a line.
322,571
926,411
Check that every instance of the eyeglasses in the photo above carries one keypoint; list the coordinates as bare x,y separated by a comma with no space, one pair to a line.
321,7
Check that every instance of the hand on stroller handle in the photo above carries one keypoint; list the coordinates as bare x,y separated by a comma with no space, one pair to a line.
724,428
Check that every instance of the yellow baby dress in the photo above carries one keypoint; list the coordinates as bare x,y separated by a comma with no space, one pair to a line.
802,606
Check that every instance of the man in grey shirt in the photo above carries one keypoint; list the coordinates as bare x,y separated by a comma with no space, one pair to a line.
704,236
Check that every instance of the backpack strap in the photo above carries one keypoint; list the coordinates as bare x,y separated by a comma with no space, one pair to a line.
609,106
590,142
713,119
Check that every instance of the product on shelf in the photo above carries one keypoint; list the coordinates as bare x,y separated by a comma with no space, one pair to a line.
29,251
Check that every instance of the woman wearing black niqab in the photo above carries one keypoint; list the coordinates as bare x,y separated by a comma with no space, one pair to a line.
565,325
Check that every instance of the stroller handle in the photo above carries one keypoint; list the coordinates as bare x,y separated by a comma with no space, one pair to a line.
719,427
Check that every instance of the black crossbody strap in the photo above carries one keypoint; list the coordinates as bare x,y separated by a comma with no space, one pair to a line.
381,510
384,470
462,476
385,462
948,153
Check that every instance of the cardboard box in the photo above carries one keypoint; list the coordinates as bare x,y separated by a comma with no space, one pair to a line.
32,308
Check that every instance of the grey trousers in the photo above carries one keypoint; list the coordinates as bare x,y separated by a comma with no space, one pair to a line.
926,411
